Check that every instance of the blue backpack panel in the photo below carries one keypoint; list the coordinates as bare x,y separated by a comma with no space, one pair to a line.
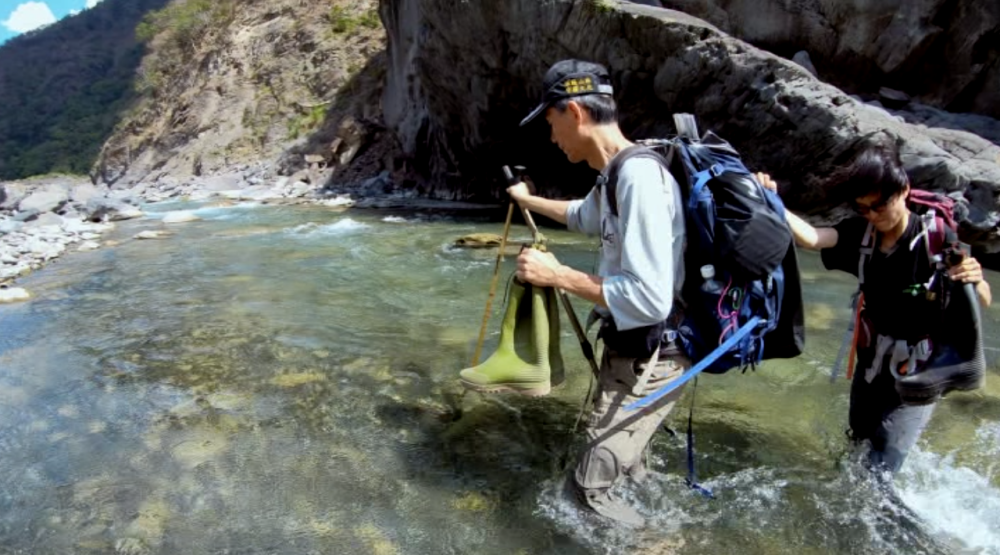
754,310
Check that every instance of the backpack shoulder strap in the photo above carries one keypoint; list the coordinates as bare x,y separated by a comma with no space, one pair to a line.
610,175
866,250
941,235
936,233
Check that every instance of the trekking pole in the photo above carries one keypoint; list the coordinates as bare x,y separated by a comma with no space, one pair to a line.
536,236
511,180
581,335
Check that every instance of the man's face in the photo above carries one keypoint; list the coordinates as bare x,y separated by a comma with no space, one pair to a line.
566,133
884,214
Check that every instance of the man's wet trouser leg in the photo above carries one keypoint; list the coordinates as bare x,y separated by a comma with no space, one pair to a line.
617,439
878,415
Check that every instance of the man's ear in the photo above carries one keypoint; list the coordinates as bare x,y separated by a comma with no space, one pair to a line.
578,112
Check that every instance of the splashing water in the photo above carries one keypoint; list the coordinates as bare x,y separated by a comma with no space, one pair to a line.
342,227
955,501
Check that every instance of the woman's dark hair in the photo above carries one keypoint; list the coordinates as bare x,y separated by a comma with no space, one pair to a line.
875,168
601,107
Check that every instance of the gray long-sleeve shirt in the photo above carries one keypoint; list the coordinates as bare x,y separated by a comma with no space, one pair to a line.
642,249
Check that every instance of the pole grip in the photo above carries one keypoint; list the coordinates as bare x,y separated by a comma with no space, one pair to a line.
509,175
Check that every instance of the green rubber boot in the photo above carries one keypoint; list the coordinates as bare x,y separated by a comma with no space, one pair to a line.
521,361
555,347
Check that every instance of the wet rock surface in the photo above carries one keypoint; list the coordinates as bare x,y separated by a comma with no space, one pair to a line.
944,52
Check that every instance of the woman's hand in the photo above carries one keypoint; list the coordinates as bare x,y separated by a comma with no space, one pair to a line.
970,271
967,271
766,181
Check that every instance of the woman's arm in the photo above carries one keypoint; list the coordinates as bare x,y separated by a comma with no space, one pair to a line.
807,236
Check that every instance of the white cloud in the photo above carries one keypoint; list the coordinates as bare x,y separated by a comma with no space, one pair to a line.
74,12
29,16
92,3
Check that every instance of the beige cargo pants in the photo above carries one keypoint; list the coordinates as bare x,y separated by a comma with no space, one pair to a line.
617,439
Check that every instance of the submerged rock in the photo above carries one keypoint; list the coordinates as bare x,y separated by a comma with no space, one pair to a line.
479,241
294,380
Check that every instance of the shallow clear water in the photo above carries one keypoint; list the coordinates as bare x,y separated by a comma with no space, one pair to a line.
283,380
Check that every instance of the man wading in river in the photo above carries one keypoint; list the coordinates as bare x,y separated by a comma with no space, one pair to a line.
641,272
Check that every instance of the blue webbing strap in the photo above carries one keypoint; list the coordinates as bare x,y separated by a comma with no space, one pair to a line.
692,477
715,170
697,368
701,178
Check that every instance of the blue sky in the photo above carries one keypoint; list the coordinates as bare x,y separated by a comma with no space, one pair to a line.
20,16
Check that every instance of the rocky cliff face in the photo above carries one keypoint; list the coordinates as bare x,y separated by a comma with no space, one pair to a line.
462,74
945,52
247,81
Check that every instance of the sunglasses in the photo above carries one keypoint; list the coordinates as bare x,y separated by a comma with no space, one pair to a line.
878,207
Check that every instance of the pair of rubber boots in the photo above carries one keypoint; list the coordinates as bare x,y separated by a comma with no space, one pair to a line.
528,359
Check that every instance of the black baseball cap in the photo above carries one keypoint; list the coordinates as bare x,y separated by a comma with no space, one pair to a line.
569,78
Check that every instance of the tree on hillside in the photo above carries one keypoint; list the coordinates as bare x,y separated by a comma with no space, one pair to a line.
65,87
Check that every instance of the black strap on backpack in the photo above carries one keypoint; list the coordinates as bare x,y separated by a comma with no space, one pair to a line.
609,178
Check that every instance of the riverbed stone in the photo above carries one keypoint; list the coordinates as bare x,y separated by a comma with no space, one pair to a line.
151,234
27,215
46,200
10,226
99,209
46,219
180,217
13,295
82,193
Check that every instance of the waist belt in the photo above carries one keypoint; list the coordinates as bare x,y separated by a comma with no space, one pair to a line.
670,344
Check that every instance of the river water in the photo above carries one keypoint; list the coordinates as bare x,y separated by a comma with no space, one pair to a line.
283,380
